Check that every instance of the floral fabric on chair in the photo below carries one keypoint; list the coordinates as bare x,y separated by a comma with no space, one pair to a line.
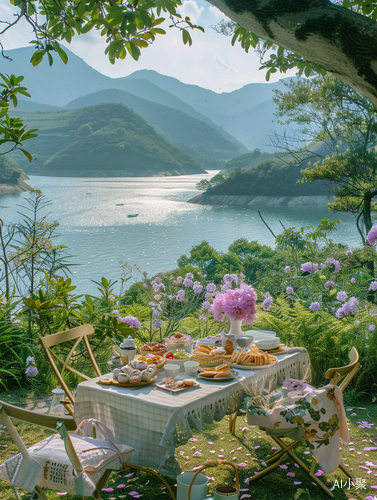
313,416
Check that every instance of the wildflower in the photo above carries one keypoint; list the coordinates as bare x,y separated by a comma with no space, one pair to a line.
330,283
198,287
371,328
157,297
145,285
132,321
349,252
372,235
287,269
31,371
353,281
234,278
373,286
289,290
170,297
242,276
181,295
309,267
314,306
226,286
188,282
157,324
189,276
267,303
29,360
211,288
227,278
115,312
111,297
155,313
373,312
206,305
341,296
336,264
202,317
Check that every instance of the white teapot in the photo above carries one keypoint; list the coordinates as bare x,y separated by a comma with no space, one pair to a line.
128,348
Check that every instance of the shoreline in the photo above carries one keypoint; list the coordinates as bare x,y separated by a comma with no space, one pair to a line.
235,200
21,187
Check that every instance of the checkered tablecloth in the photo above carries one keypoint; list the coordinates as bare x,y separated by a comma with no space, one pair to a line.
152,420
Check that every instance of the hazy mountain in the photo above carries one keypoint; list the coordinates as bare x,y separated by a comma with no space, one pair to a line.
248,160
202,141
246,113
105,140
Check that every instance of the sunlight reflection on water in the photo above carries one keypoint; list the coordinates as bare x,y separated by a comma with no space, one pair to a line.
94,225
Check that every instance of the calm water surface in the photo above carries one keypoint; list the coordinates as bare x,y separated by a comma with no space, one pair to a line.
99,234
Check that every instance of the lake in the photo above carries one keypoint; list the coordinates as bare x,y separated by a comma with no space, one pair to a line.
92,213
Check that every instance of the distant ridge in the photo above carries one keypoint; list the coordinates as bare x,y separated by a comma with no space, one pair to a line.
242,116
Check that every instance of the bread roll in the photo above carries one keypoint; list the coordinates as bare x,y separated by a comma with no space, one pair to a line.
222,368
146,376
116,373
123,378
225,374
135,380
189,381
140,365
208,374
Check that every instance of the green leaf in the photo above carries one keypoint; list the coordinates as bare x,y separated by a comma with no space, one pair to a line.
28,155
50,59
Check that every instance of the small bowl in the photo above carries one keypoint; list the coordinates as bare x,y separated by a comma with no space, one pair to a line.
172,370
244,342
179,362
267,344
191,367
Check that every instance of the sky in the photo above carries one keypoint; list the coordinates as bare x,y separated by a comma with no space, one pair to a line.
211,62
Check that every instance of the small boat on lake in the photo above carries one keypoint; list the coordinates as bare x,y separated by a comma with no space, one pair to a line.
132,215
119,204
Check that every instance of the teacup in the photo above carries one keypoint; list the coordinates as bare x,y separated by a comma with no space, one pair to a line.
191,367
244,342
172,370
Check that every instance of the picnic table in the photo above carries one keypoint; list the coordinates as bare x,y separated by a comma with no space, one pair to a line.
155,421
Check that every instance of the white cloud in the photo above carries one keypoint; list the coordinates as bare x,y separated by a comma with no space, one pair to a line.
220,62
191,9
216,12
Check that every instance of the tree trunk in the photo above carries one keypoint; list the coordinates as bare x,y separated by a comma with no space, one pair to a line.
335,38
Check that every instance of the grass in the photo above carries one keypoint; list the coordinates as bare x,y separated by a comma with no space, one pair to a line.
239,449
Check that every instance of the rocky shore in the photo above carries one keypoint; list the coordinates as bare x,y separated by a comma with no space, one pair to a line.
290,201
21,187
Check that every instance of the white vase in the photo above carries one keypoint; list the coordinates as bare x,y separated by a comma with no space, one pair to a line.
235,327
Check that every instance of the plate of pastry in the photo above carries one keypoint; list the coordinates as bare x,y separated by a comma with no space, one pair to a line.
222,373
174,385
254,359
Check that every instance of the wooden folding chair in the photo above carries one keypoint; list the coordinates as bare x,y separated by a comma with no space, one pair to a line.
24,473
344,374
74,337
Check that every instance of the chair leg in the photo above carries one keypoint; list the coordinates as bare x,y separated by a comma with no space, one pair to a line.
303,466
232,422
39,492
278,454
268,470
155,473
101,483
346,471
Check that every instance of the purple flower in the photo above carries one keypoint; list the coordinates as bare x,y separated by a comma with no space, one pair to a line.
372,235
365,424
145,285
198,287
226,286
132,321
189,276
31,371
234,278
157,324
289,290
287,269
115,312
371,328
267,303
336,264
349,252
206,305
330,283
181,295
314,306
227,278
373,286
111,297
170,297
155,313
341,296
309,267
353,280
211,288
187,282
29,360
202,317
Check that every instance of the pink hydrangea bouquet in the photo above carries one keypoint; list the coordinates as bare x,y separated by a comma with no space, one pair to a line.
238,304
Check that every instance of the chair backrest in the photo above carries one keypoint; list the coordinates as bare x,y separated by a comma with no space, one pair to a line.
344,373
29,470
74,336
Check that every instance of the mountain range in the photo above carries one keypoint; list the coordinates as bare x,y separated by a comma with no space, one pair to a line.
243,116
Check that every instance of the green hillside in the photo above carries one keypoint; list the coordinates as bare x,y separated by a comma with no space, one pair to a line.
10,172
103,140
202,141
248,160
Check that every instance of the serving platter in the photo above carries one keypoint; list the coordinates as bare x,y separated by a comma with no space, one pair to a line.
243,367
111,381
178,389
211,379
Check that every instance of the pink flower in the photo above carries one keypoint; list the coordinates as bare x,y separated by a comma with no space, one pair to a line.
236,304
197,454
331,260
372,235
349,252
353,281
287,269
111,297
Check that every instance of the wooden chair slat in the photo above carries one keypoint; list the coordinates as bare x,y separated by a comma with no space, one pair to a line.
60,337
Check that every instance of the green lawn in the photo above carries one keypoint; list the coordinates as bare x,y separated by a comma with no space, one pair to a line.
239,448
